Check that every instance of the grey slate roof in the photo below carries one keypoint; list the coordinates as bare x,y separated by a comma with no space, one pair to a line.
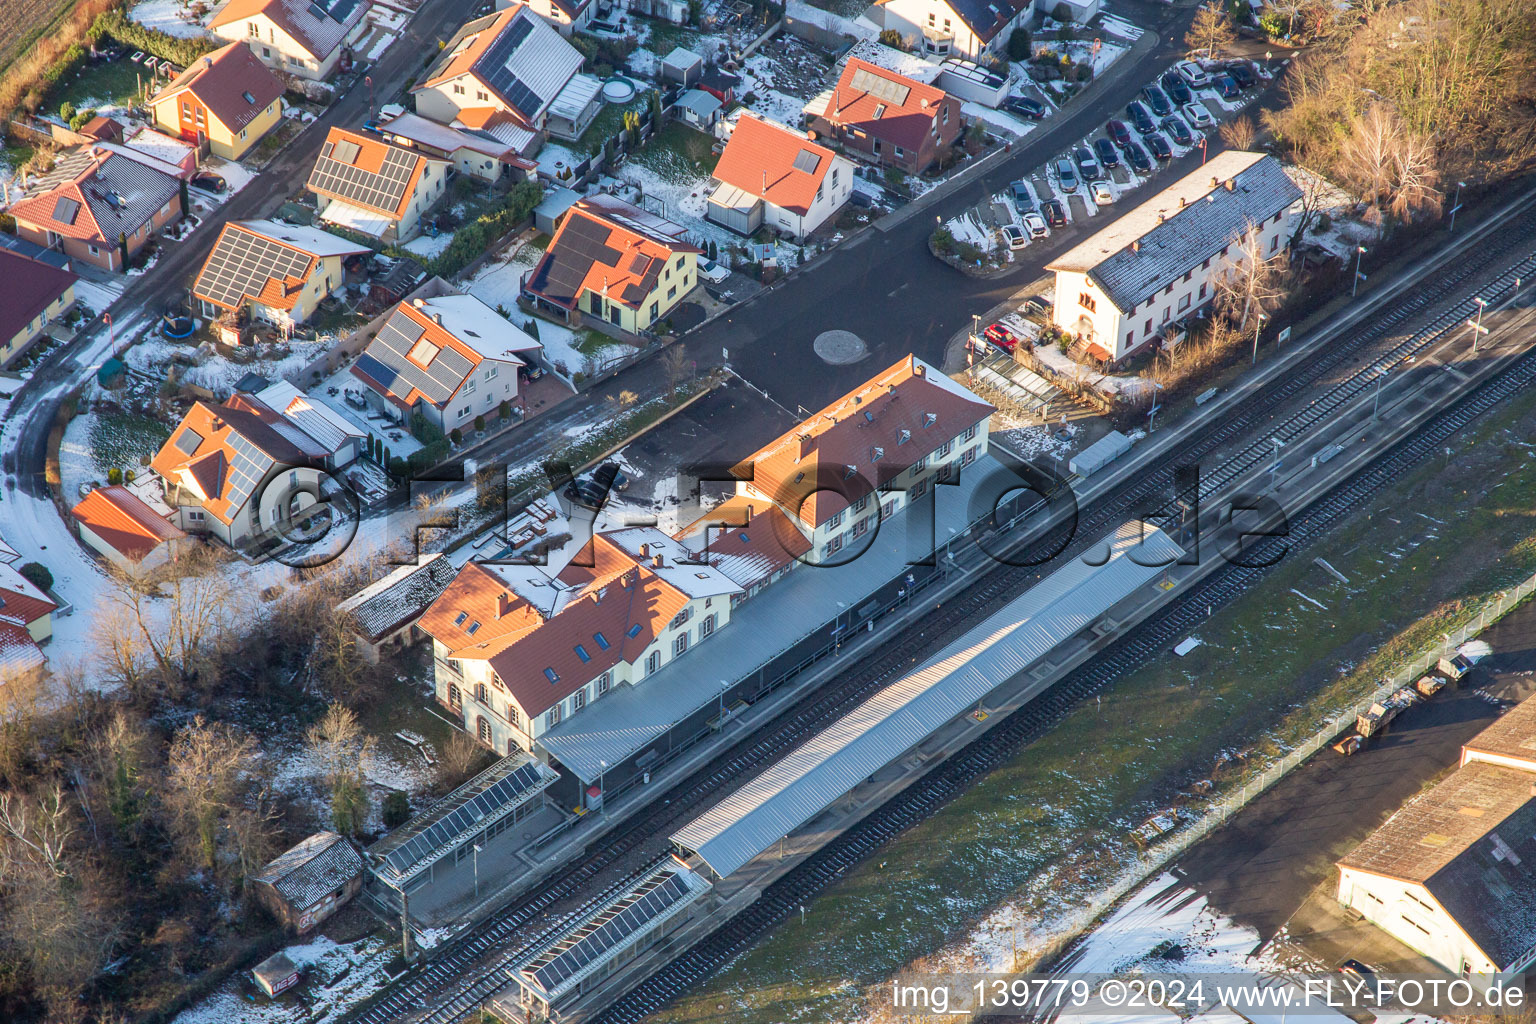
319,865
811,777
398,599
1209,219
122,194
1471,842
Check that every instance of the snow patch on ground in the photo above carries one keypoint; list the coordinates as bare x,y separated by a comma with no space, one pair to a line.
337,976
173,17
428,246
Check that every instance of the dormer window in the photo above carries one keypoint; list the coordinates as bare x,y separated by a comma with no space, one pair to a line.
929,419
472,627
876,454
906,435
869,417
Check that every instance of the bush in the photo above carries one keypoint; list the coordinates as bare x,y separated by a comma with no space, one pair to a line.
1085,71
37,574
1272,24
480,423
1018,44
114,476
890,37
399,468
396,809
79,120
66,111
505,411
1324,222
67,62
456,436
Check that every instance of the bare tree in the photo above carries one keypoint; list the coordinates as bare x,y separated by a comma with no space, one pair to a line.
1253,282
1240,132
343,750
338,659
37,829
461,756
209,769
1392,167
677,366
184,636
1211,31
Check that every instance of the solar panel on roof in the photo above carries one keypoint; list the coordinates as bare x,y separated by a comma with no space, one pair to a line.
66,210
317,10
880,88
334,174
609,930
807,161
514,786
495,66
188,440
241,265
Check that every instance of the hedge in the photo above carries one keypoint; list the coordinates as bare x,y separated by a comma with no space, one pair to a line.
471,240
181,52
67,62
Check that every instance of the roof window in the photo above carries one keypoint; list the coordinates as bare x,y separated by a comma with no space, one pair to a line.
459,620
634,631
472,627
600,640
551,675
581,652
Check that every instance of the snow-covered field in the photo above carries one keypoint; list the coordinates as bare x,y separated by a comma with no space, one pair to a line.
336,977
173,17
155,355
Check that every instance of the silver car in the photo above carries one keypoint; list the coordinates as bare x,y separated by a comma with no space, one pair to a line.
1066,176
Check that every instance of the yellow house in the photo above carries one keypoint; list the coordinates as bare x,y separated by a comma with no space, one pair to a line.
227,101
281,271
614,262
35,295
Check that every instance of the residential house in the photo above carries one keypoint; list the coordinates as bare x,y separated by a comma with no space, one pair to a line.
1451,873
308,883
567,16
1120,290
519,648
35,295
24,606
237,470
375,187
510,62
341,440
888,119
448,359
308,39
615,265
772,176
277,272
227,99
475,152
944,28
384,613
98,206
121,527
858,461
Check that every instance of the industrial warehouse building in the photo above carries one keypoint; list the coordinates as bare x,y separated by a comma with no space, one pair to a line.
1453,873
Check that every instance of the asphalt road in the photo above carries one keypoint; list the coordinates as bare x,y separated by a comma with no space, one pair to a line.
1262,866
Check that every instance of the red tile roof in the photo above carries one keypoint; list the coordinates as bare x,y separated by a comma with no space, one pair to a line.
30,287
760,160
760,543
610,597
123,521
902,113
863,439
221,81
371,153
20,599
19,653
592,252
319,36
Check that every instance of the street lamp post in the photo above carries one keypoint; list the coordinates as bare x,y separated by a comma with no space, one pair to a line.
602,794
1456,204
477,871
1381,375
1478,330
1360,251
1258,325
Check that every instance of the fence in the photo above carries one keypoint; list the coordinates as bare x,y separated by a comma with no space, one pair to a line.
1222,810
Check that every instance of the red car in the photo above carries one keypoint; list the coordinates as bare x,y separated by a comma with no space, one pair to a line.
1001,336
1120,132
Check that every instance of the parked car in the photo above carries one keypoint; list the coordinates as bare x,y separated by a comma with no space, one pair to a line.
1035,225
1178,130
1108,155
1159,146
1013,236
1102,194
1087,166
1176,88
1053,213
1066,176
1225,85
863,200
1356,968
1025,107
1197,115
1120,132
209,182
1157,101
1193,74
1137,158
1242,73
372,127
1023,197
1140,117
709,270
1001,336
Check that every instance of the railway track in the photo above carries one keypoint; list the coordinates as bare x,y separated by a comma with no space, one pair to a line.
1154,637
457,980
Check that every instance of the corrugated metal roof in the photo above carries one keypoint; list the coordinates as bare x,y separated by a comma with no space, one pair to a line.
1179,228
814,775
629,718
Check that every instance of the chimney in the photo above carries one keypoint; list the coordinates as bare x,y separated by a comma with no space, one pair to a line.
1136,246
208,62
1181,202
807,445
1215,181
1161,216
437,318
656,561
1231,184
645,550
503,604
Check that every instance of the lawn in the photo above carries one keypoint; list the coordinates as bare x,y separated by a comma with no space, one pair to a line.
678,153
1048,831
112,85
609,123
120,438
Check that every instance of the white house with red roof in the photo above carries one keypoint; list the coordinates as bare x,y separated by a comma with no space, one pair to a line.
960,28
448,359
886,117
26,622
773,176
121,527
366,184
98,206
304,38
